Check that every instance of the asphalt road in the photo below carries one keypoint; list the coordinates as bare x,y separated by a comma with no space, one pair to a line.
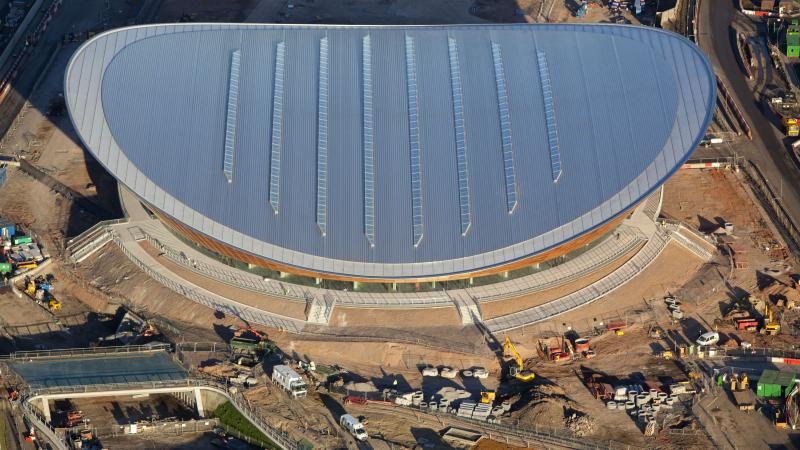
768,148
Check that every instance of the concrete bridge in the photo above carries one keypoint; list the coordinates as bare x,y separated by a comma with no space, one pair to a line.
120,371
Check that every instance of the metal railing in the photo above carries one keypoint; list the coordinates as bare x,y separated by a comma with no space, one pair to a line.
227,276
89,351
280,438
773,203
586,295
93,228
56,439
244,312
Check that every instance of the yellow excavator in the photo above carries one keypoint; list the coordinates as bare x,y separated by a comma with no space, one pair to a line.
770,327
517,370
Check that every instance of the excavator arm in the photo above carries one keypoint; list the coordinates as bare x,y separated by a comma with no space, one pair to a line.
519,371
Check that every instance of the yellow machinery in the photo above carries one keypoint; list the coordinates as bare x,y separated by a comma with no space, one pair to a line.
30,289
518,370
54,304
487,397
770,327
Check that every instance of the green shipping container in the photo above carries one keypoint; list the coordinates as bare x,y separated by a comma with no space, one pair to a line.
793,40
5,268
774,384
17,240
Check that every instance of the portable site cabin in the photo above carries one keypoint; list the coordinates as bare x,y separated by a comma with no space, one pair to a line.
793,39
775,384
7,228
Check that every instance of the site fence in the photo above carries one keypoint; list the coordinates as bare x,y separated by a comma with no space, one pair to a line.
468,348
773,203
595,326
739,352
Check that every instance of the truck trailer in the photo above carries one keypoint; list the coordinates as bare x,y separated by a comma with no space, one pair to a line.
289,380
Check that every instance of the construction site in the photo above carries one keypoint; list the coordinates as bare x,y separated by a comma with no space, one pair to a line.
675,328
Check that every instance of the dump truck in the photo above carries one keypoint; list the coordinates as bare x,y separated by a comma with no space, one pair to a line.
289,380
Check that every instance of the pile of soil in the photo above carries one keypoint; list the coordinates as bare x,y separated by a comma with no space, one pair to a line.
549,406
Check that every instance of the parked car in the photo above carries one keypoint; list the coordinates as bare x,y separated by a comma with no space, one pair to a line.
710,338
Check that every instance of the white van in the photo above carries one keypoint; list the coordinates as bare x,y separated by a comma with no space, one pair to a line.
355,427
710,338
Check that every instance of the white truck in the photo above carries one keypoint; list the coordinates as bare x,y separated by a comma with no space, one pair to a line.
289,380
355,427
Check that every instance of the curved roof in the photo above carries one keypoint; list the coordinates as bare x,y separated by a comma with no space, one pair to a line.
390,151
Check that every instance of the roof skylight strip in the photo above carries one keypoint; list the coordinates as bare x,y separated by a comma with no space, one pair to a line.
277,123
230,119
461,137
369,166
505,129
322,139
413,140
550,116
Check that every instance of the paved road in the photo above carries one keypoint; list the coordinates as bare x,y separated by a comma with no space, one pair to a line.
768,148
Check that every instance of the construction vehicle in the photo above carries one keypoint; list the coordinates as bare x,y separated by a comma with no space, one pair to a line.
770,327
289,380
556,349
39,290
488,396
787,108
354,427
74,418
598,386
249,347
517,370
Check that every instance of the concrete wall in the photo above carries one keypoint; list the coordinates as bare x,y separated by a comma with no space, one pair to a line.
211,400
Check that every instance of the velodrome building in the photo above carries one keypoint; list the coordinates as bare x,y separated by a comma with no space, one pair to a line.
390,153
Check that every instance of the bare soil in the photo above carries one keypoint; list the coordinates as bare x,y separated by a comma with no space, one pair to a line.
502,307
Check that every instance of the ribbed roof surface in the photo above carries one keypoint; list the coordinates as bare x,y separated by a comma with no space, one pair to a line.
403,151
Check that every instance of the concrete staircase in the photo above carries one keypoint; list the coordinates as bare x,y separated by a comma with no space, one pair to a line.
468,309
319,308
91,240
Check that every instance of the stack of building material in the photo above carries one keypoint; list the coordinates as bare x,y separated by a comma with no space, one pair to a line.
466,408
482,411
26,252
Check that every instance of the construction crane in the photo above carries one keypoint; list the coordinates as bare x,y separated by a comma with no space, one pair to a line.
518,370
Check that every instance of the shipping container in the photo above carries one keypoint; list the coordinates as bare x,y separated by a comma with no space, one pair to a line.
774,384
19,240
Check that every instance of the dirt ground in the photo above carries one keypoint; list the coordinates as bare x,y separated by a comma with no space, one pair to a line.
502,307
204,441
706,199
106,413
108,279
